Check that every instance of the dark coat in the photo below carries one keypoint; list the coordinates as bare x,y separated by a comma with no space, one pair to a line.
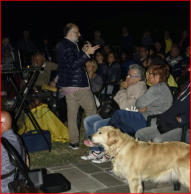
181,108
71,65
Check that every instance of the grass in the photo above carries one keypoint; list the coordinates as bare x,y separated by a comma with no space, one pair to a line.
60,154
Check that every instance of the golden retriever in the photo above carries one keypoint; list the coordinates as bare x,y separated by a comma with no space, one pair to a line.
137,161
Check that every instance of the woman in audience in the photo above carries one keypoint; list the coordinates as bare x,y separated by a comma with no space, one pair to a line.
131,89
96,81
157,60
171,121
102,67
114,72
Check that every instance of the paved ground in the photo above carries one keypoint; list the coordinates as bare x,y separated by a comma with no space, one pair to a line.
86,177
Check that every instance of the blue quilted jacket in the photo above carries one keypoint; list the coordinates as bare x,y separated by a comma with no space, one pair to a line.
71,65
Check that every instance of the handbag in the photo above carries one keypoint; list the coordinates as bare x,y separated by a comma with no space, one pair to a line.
37,140
162,126
108,108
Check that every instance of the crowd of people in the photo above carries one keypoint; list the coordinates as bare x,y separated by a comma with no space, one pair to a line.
149,78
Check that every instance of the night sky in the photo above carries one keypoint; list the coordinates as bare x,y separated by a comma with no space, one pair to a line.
46,19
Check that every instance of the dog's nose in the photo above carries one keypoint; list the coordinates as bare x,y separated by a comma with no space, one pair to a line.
90,137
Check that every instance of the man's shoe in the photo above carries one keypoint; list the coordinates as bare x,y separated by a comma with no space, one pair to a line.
93,155
74,146
104,158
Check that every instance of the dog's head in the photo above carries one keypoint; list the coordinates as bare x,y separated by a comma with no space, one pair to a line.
110,138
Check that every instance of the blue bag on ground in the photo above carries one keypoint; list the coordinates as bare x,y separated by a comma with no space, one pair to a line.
34,140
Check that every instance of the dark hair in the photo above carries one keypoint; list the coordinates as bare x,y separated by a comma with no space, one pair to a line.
161,70
114,54
98,51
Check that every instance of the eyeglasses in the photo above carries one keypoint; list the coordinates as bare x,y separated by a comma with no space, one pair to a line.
133,76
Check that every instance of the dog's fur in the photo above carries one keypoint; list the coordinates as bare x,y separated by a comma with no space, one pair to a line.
137,160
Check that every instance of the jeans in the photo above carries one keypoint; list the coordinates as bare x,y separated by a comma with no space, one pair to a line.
128,121
91,125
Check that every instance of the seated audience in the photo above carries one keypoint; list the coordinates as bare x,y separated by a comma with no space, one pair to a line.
156,100
7,168
96,81
131,89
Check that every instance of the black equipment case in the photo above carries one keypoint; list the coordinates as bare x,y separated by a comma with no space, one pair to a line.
49,183
55,183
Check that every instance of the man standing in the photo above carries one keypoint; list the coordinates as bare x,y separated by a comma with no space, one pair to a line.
72,77
39,60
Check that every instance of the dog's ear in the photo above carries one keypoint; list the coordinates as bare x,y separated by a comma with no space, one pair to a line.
112,137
